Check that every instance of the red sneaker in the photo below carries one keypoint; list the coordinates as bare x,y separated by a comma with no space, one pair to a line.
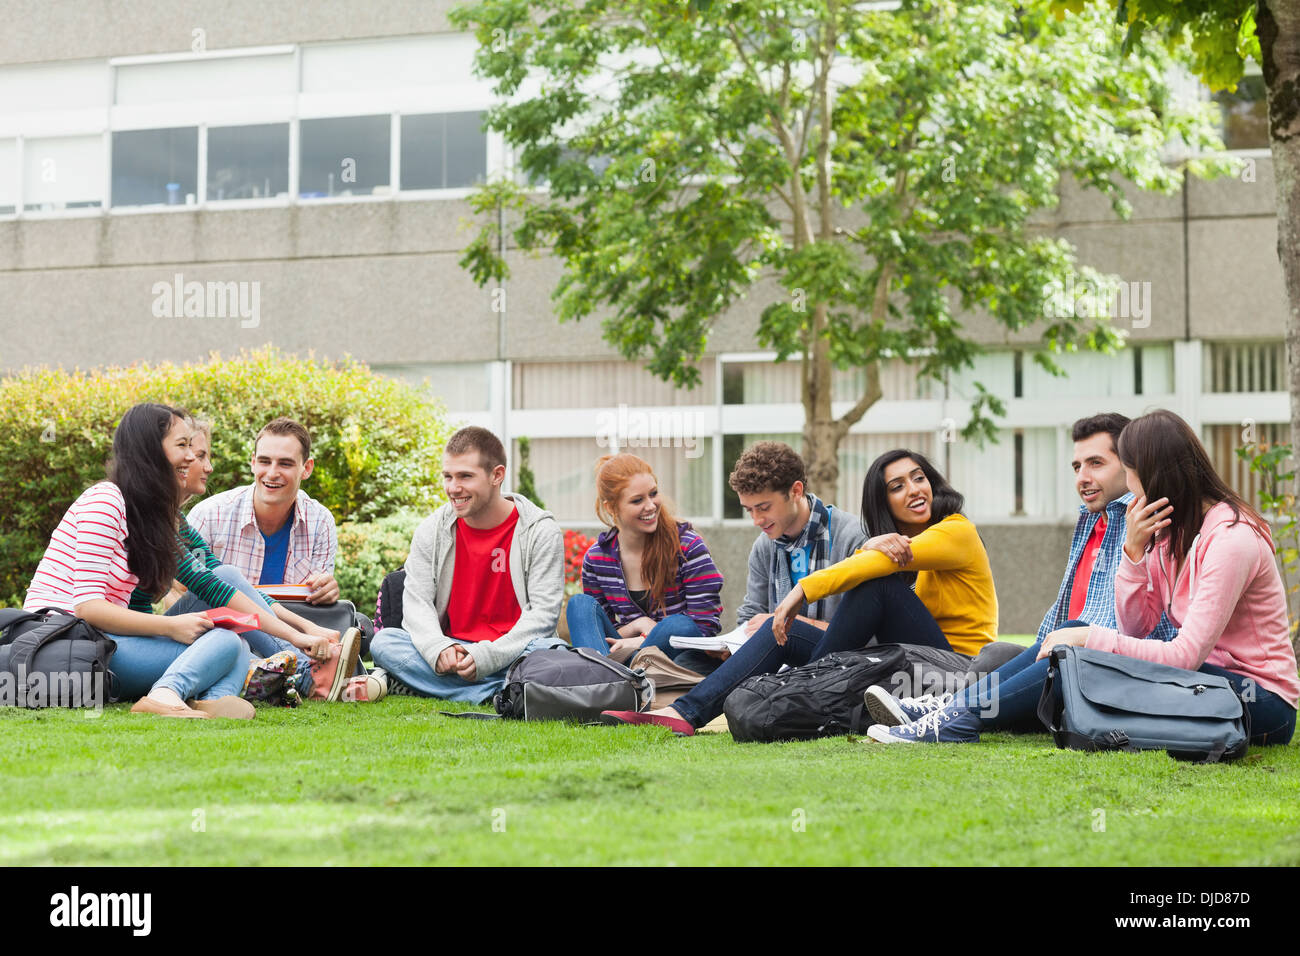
678,726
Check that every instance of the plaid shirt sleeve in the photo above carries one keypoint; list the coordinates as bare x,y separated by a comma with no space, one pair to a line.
322,537
220,521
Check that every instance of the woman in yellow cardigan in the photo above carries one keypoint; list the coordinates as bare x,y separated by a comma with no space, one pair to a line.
919,528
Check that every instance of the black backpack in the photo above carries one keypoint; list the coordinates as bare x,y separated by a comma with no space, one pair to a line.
49,658
388,606
822,698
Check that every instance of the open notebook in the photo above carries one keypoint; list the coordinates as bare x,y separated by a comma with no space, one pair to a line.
730,641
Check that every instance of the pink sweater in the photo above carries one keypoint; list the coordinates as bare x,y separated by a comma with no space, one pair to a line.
1227,603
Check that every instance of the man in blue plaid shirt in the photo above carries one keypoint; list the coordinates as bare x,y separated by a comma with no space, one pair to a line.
1087,591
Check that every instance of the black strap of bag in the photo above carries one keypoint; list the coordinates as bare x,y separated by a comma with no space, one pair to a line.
26,645
1051,702
12,620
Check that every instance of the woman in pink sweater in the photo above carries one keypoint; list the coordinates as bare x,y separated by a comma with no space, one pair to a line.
1195,551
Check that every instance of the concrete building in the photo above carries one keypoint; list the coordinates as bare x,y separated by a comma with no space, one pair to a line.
308,165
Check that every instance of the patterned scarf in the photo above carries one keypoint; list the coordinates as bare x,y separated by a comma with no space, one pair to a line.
817,534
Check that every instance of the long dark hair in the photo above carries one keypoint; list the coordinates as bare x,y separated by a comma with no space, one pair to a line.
1171,462
876,516
139,467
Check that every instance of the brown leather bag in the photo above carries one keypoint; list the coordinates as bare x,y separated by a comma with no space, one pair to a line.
671,680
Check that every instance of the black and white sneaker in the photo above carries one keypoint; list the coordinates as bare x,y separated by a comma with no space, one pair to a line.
893,711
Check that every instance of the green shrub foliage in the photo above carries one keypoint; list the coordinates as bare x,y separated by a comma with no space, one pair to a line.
370,549
377,441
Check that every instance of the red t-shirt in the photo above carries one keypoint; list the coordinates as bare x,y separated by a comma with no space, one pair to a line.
482,606
1079,589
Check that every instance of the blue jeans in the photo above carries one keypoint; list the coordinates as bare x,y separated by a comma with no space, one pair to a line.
213,666
1008,698
589,626
884,609
393,650
260,643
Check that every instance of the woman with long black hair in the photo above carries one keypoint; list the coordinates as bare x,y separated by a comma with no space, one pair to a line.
1194,551
919,528
121,534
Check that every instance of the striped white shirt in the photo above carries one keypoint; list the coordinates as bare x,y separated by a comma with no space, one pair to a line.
86,558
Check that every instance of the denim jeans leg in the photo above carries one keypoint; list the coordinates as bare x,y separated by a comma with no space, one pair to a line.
1272,720
588,624
761,654
674,625
213,666
885,609
259,642
1011,703
139,662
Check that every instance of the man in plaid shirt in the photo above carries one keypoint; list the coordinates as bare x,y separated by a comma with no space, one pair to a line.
271,531
1087,591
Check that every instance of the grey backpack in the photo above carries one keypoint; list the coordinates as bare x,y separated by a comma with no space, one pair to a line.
571,683
50,658
1096,700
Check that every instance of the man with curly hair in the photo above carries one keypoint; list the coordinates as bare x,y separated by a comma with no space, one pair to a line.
800,533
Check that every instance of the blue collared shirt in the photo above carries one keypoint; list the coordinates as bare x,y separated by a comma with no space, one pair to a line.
1099,604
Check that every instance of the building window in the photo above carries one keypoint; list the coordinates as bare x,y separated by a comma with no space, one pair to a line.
345,156
855,455
750,383
565,470
156,167
248,162
443,150
8,177
1245,113
603,385
1244,367
1222,442
64,172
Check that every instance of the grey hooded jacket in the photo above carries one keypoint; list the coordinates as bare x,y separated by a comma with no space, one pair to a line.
761,595
536,571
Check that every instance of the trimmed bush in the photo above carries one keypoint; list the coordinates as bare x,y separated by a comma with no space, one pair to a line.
377,441
370,549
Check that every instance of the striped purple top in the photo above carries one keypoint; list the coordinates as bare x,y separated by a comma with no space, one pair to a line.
697,591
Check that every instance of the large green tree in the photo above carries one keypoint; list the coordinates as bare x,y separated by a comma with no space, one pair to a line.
879,166
1221,35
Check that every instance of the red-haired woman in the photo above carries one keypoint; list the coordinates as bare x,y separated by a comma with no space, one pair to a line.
646,579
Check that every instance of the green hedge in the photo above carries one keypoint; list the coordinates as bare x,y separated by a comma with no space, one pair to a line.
370,549
377,441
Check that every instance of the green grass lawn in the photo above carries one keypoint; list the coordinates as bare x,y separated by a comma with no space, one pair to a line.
394,783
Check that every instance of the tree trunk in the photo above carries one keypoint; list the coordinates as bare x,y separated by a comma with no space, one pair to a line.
1278,27
821,439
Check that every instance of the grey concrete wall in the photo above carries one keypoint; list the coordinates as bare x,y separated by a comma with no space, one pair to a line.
38,30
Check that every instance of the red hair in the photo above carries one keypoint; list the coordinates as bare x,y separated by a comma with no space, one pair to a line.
659,558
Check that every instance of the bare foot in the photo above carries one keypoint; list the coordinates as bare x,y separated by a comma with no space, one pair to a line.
166,696
667,712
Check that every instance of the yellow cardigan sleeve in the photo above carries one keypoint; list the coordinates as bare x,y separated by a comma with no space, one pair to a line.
950,544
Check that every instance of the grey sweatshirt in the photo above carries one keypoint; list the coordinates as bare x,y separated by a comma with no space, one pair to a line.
536,571
760,588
